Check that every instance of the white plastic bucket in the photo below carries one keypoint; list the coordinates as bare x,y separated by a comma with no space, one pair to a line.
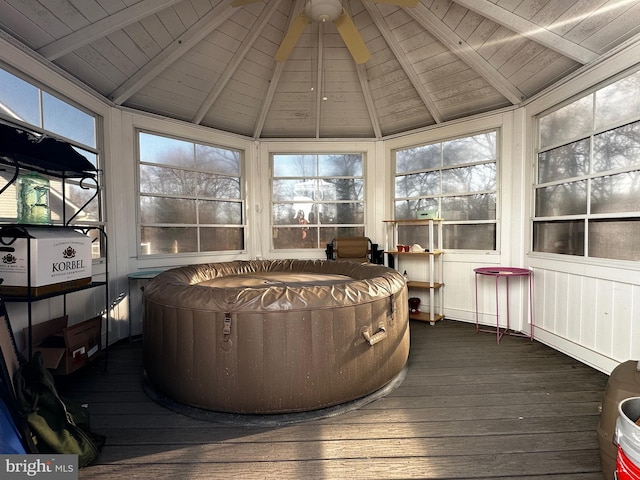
628,439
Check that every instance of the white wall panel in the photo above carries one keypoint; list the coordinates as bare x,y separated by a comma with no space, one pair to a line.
562,320
604,317
573,300
545,304
593,319
589,316
622,320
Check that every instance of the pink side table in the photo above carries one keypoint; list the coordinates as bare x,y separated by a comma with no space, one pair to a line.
507,273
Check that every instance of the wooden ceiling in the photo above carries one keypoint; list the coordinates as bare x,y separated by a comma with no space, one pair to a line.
210,63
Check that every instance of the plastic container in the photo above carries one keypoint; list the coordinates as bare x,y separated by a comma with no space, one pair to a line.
628,439
33,199
624,382
625,469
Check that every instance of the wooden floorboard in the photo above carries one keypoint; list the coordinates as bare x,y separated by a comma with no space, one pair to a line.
467,409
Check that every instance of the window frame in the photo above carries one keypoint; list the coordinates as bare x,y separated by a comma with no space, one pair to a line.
440,196
588,177
345,227
242,201
96,184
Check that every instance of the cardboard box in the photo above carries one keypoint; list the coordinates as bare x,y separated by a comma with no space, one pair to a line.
66,349
60,261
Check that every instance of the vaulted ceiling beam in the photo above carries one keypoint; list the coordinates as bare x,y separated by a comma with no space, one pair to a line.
400,55
361,69
254,32
320,77
275,76
268,99
459,47
174,50
533,32
103,27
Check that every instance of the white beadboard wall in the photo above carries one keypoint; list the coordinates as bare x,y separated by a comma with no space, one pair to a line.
589,317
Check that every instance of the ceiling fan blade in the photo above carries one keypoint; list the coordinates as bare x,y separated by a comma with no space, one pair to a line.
398,3
291,37
352,39
240,3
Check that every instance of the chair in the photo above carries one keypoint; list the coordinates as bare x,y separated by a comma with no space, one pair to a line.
353,249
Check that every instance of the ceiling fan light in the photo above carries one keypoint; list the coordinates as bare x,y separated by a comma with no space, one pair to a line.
323,10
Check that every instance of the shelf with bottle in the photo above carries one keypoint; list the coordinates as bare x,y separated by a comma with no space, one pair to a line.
30,160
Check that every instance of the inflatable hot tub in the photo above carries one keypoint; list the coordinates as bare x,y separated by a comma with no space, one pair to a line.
255,337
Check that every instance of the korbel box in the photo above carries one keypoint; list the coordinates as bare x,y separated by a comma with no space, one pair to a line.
60,261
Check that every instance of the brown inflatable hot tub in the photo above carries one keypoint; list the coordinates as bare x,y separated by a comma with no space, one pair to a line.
255,337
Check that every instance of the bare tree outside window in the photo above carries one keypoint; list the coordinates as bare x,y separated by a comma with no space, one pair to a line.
587,195
457,178
315,198
191,197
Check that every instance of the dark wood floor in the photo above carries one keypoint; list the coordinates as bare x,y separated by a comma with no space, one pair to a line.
468,408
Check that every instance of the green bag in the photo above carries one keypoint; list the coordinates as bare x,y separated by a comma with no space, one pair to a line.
57,426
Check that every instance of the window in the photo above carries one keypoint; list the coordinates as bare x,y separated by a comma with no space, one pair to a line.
315,198
191,197
28,107
456,178
587,195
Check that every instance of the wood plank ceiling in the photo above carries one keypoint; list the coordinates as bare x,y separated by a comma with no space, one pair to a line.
210,63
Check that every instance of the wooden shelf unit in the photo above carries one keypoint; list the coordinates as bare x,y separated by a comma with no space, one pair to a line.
433,277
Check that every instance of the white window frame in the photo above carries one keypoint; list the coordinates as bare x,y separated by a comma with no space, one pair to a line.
440,140
587,177
242,201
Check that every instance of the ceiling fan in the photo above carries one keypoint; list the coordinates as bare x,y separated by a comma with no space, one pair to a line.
325,11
